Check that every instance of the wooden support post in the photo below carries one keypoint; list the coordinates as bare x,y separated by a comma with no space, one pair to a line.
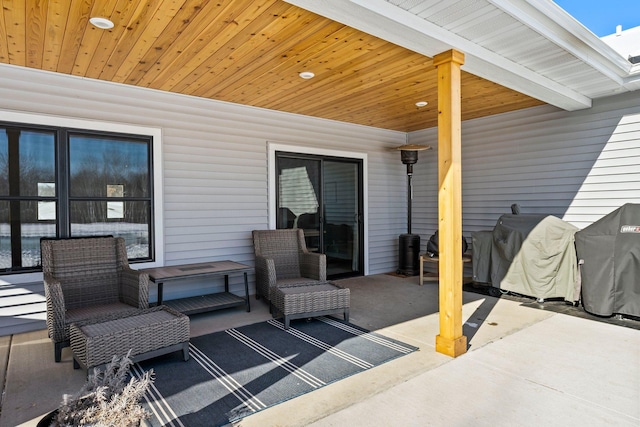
450,341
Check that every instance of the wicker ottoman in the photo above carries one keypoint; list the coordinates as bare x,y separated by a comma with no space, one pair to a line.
147,333
298,302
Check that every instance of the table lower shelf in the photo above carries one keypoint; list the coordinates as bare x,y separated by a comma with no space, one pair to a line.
204,303
426,259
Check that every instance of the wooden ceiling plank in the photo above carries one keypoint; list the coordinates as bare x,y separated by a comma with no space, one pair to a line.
208,55
387,108
15,24
411,119
268,62
254,43
77,21
399,122
394,98
93,37
378,105
404,105
136,28
270,53
408,124
191,14
391,75
202,29
362,88
413,124
328,62
402,123
476,113
4,38
290,67
36,16
158,23
371,100
122,14
260,27
349,51
377,119
483,92
500,99
55,30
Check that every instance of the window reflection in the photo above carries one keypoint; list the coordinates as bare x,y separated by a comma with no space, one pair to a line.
112,172
92,219
98,165
27,200
104,188
30,231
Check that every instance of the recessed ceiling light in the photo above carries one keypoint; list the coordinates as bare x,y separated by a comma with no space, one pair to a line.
421,104
307,75
102,23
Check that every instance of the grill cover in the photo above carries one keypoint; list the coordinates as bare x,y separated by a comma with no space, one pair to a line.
610,252
535,255
531,255
481,255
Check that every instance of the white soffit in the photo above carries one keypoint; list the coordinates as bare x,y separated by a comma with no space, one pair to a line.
531,46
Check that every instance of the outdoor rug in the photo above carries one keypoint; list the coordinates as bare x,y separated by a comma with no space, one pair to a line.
237,372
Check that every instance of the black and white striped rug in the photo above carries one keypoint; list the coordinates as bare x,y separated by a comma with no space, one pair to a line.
237,372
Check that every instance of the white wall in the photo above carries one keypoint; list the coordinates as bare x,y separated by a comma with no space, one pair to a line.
215,162
578,166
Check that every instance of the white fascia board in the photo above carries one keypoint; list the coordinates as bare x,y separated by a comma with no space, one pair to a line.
632,82
553,23
389,22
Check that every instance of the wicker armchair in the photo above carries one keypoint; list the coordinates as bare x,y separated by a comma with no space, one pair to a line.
282,259
86,278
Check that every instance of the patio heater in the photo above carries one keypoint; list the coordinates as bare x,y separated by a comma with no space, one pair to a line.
409,244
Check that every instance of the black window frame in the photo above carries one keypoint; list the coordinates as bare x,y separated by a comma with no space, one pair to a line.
63,198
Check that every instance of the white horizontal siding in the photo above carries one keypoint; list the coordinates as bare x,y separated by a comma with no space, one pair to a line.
387,205
578,166
215,162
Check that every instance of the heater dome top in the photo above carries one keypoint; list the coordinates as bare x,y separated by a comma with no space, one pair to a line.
413,147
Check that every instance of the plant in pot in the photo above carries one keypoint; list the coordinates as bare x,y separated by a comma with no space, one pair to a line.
108,398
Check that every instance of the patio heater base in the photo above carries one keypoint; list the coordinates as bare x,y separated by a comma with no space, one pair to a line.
409,256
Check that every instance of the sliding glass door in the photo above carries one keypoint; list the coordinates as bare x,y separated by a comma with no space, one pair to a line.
323,196
299,196
342,216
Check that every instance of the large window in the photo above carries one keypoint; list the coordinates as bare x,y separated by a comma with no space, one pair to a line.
68,183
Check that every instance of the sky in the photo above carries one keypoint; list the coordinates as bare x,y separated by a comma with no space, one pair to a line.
602,16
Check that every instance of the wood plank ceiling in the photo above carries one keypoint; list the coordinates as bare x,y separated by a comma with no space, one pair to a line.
243,51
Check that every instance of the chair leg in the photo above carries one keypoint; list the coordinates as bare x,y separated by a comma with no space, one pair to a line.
346,314
57,351
286,322
185,351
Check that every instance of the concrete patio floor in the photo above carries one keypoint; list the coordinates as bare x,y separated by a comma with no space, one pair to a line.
524,367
